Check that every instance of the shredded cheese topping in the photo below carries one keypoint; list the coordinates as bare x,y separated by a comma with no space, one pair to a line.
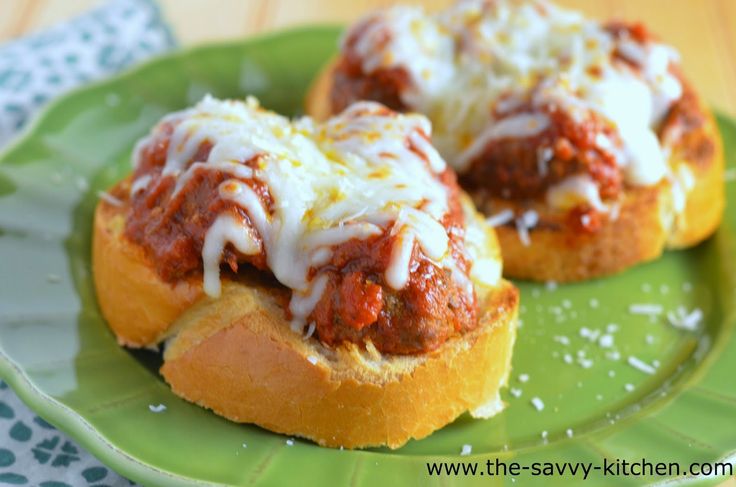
362,173
473,64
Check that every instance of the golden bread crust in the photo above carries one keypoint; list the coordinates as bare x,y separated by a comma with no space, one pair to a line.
238,357
706,200
138,305
558,254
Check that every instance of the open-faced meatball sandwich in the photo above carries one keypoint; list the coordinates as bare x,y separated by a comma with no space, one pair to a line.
581,141
326,280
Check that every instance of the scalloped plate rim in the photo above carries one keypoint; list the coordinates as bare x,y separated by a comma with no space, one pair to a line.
35,398
75,425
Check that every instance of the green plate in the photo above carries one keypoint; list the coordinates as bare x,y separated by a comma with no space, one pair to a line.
59,356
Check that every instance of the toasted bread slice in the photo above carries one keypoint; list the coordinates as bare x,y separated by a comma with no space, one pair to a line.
238,356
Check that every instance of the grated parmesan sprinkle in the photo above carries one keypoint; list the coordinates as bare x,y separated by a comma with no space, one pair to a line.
530,218
585,363
646,309
500,218
523,232
605,341
310,330
467,450
537,403
524,223
613,355
108,198
157,408
641,365
544,156
590,335
685,320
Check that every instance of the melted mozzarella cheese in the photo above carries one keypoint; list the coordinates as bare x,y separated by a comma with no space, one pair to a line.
140,184
574,190
510,51
360,174
487,268
425,52
521,125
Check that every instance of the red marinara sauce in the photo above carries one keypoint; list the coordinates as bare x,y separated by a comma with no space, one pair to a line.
509,167
357,305
350,83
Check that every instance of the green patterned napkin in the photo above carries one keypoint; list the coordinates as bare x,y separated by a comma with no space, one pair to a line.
34,453
37,68
33,70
